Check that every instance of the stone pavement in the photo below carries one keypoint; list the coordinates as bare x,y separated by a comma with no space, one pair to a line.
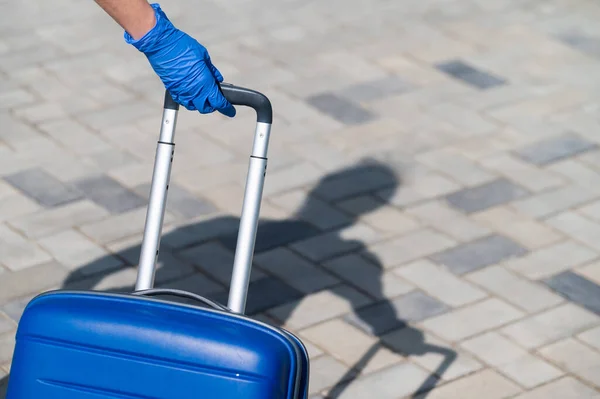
431,222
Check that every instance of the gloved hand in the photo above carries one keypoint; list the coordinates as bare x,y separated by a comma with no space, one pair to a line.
184,66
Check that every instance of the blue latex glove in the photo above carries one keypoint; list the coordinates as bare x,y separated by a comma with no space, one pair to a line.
184,66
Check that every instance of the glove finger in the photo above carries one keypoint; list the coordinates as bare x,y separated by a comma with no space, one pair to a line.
217,100
203,106
228,111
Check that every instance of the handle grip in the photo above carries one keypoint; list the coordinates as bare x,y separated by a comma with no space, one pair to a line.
181,294
250,98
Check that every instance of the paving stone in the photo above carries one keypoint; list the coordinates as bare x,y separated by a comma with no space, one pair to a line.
180,202
456,166
72,249
328,245
494,349
116,115
375,89
349,345
474,319
555,149
180,236
576,172
554,201
46,222
578,227
583,42
576,358
119,226
74,136
486,383
524,230
439,283
524,174
6,324
577,289
527,295
383,317
427,186
355,181
564,388
447,220
18,253
393,382
43,188
326,372
550,325
431,353
111,159
294,270
7,347
311,209
368,277
480,253
292,177
530,371
591,210
318,307
267,293
15,98
120,280
591,337
409,247
482,197
31,280
551,260
470,75
378,215
272,234
340,109
110,194
215,260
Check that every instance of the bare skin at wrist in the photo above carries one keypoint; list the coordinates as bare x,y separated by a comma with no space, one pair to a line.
136,17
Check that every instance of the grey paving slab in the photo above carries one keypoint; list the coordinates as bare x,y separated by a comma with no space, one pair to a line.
486,195
383,317
552,150
470,75
480,253
43,188
295,270
110,194
368,277
180,202
582,42
376,89
340,109
577,289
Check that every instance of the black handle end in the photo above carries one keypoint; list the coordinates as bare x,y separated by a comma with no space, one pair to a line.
241,96
169,102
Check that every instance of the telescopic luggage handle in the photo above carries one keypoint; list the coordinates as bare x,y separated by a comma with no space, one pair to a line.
165,151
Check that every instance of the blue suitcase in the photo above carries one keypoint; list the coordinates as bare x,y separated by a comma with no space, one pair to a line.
92,345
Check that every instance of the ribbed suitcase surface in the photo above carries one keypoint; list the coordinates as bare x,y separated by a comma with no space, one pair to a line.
91,345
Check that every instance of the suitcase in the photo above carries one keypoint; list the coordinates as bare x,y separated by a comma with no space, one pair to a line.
91,344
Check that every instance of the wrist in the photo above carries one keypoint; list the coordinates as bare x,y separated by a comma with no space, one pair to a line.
157,26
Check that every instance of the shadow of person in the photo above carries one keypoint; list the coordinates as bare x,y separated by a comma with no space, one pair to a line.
269,290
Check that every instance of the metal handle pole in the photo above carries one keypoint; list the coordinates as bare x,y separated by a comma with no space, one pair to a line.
158,196
244,253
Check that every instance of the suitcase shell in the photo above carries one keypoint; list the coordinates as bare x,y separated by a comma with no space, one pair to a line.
92,345
76,345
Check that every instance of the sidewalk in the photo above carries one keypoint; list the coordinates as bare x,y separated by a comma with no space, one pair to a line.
431,215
